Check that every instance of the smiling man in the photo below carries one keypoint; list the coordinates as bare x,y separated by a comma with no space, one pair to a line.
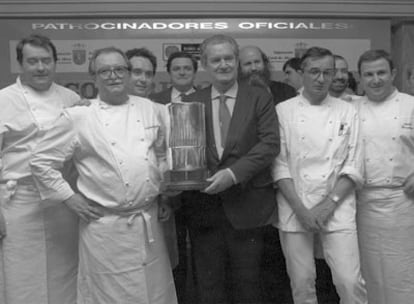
225,220
386,202
143,68
117,148
319,166
38,238
182,68
340,82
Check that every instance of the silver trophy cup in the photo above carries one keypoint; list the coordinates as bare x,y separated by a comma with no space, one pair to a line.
186,152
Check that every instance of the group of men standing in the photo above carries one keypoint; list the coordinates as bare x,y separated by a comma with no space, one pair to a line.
101,239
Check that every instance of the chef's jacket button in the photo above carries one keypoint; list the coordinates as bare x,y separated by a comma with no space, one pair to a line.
113,143
327,158
302,120
330,121
121,162
323,175
144,264
395,117
130,203
147,179
367,160
393,138
138,120
363,119
127,184
303,137
391,159
142,139
388,180
330,139
146,158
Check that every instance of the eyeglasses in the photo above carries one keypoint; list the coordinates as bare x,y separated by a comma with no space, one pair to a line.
119,71
316,73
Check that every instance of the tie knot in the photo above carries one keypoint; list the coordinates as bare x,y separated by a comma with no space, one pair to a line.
222,98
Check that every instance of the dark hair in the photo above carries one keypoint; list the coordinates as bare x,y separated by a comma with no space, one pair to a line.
35,40
182,55
218,39
294,63
374,55
143,52
352,83
314,52
106,50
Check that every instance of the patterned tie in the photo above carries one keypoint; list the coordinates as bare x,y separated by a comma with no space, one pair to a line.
224,119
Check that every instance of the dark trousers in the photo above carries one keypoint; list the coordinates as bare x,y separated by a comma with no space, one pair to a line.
227,262
181,271
275,279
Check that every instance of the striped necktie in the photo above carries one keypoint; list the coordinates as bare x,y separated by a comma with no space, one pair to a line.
224,119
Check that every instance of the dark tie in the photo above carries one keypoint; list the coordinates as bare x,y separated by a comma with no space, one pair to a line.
183,96
224,119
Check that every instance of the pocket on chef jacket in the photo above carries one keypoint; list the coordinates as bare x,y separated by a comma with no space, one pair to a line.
340,140
406,127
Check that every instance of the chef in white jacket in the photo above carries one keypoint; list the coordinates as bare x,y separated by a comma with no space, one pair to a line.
116,145
385,213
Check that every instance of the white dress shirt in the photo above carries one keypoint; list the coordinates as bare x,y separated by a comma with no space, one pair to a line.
114,150
319,143
176,95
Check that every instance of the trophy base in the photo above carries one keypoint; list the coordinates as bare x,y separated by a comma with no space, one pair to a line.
185,180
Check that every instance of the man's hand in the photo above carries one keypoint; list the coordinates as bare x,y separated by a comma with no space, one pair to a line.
323,211
220,181
2,225
164,209
81,206
307,219
409,185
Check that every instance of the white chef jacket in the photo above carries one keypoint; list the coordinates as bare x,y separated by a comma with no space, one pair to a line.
23,116
319,143
114,151
389,155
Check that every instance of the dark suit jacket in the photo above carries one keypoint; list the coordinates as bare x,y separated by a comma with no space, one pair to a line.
162,97
252,144
281,91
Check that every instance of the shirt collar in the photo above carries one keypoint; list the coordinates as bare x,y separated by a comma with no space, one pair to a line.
175,93
326,102
27,89
232,92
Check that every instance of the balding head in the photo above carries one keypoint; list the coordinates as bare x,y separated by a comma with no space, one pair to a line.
254,65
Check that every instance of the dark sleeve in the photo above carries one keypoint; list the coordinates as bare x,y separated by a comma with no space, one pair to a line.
267,146
281,91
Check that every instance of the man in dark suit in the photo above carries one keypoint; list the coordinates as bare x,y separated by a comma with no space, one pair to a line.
182,68
254,67
225,218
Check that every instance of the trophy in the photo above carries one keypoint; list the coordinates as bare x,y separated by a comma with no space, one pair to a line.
186,151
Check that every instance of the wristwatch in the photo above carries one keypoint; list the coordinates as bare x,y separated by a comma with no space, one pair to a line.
335,198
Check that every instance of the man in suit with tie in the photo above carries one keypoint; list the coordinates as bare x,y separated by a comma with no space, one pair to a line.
225,219
182,68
